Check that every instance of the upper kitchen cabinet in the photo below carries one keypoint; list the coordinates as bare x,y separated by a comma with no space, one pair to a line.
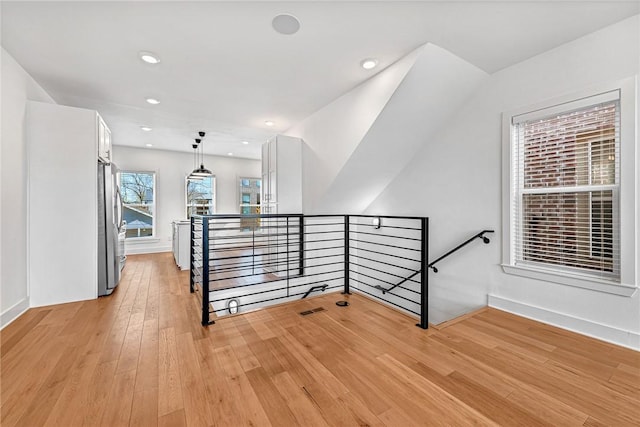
282,175
104,141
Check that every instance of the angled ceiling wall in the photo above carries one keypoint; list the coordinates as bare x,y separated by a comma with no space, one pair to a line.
332,133
359,143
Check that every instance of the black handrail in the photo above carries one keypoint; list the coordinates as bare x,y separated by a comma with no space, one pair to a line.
314,288
384,291
480,235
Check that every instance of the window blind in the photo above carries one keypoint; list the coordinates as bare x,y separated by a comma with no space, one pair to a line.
566,188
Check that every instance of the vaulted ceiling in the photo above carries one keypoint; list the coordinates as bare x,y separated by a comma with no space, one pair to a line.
225,70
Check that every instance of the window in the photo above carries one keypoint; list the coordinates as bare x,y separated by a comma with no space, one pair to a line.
249,197
138,199
200,196
565,197
557,191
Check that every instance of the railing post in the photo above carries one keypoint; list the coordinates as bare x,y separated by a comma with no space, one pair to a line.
424,274
301,245
205,272
288,266
191,249
346,256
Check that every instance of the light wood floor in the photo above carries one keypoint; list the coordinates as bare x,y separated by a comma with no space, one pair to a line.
140,357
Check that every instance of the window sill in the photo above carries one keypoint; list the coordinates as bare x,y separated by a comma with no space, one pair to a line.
590,283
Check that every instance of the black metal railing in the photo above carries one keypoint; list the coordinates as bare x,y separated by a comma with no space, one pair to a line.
286,257
281,258
432,264
389,253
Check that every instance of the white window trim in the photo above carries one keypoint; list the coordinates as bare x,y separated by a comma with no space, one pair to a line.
154,237
629,194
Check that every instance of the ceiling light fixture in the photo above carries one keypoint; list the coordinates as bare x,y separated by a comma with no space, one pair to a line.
245,142
146,128
369,63
149,145
269,123
229,154
153,101
149,58
195,162
201,172
285,24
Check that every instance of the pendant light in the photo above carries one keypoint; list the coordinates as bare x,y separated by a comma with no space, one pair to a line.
195,164
201,171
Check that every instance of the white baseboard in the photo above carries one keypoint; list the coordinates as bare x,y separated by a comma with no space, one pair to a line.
138,249
592,329
12,313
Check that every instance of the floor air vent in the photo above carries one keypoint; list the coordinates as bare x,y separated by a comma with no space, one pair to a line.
313,310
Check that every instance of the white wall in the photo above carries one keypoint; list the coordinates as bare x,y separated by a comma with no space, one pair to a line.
332,133
437,85
17,88
171,168
358,143
456,181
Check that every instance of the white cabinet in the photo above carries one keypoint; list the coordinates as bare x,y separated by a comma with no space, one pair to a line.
62,144
282,175
104,141
181,246
281,194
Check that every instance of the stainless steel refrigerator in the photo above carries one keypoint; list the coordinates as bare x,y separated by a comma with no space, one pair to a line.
110,229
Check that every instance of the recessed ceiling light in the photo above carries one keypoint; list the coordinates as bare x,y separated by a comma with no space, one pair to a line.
145,128
149,58
153,101
245,142
285,24
269,123
229,154
369,63
149,145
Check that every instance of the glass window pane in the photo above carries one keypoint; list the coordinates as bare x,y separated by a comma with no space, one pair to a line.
200,196
138,194
569,229
571,149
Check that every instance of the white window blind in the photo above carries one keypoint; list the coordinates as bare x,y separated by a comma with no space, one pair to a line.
566,187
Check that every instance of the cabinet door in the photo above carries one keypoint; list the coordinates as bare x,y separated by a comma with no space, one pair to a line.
107,144
104,141
184,246
265,157
273,187
264,187
101,130
273,155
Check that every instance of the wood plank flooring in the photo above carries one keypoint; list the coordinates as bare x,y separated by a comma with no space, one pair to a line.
141,358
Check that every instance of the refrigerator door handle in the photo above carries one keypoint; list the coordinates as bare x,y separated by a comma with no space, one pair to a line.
120,208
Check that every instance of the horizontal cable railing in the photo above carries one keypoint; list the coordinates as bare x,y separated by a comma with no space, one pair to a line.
389,253
480,235
279,258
